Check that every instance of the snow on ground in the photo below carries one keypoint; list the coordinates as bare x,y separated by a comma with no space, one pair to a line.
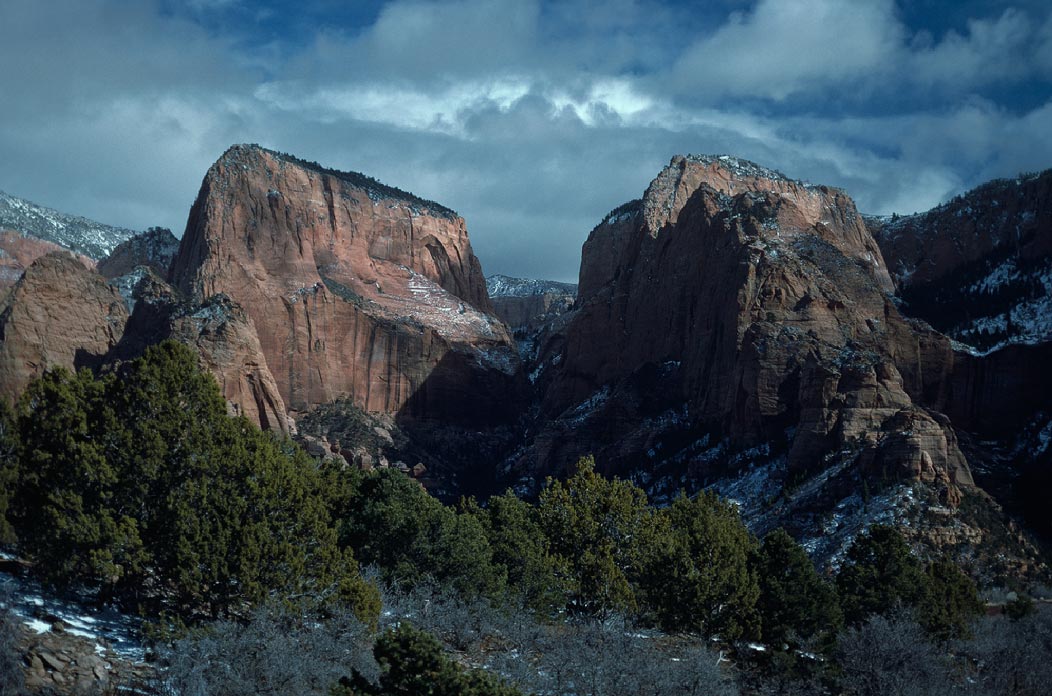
505,286
84,236
106,627
584,410
126,285
1031,318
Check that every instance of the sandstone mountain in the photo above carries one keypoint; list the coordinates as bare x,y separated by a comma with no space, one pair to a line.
298,286
732,329
356,290
224,337
737,329
18,251
979,267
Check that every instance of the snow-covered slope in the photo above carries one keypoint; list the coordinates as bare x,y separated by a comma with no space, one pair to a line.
505,286
93,239
978,267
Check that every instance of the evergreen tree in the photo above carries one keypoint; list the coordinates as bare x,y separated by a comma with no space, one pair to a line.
950,603
389,520
412,663
142,486
66,512
8,470
598,529
521,549
796,605
880,574
700,574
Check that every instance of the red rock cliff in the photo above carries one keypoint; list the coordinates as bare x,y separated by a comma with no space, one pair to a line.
355,289
59,313
766,300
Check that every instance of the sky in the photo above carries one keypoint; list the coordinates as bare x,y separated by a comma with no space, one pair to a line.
532,119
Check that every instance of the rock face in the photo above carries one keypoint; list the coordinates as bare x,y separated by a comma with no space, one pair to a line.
18,251
57,662
735,302
225,339
525,304
355,289
978,268
154,249
58,313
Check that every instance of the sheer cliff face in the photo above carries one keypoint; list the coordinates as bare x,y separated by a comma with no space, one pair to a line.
59,313
762,306
355,289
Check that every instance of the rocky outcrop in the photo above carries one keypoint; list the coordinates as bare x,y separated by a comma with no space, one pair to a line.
225,339
154,249
754,309
355,289
58,313
525,304
58,662
18,251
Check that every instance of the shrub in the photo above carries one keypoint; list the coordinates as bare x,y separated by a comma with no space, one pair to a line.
276,652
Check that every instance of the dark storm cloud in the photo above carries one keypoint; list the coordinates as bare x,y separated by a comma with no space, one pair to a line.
531,119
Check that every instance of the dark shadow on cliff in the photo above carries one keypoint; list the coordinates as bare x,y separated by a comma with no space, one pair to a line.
469,417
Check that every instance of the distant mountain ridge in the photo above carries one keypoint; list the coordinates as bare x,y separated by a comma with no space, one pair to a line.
88,237
505,286
978,267
526,304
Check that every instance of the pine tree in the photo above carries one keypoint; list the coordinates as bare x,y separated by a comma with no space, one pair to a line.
795,604
412,663
522,550
881,573
950,603
598,529
389,520
66,512
700,574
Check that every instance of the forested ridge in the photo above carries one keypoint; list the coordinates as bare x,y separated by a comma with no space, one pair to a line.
135,487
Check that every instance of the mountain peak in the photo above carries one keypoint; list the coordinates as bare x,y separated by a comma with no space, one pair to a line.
252,155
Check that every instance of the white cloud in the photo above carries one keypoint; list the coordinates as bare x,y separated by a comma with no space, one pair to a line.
992,49
785,46
532,121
